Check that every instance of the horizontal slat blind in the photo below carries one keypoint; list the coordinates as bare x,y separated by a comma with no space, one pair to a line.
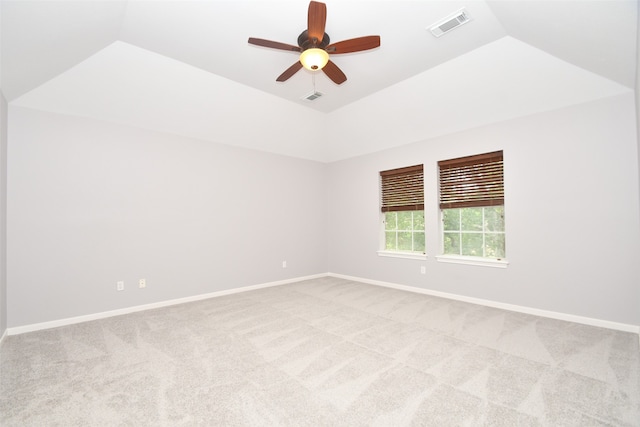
472,181
403,189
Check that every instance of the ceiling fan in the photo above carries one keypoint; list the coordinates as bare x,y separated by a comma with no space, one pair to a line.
314,47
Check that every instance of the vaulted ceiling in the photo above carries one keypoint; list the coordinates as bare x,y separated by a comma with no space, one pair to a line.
185,67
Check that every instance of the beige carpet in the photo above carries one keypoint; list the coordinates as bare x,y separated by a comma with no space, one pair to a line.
324,352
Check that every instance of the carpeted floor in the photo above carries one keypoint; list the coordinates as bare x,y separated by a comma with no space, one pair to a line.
324,352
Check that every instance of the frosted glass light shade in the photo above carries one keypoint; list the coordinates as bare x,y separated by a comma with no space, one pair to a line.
314,59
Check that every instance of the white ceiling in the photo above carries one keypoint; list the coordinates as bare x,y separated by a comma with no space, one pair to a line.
185,67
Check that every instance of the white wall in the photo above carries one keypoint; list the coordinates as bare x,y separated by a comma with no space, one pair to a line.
3,205
91,203
572,209
637,92
3,214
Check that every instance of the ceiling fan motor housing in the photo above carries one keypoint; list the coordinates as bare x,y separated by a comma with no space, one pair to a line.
305,43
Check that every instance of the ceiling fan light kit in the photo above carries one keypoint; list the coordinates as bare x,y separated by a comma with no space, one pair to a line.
314,47
314,59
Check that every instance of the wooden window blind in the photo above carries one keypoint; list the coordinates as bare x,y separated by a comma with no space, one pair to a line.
403,189
472,181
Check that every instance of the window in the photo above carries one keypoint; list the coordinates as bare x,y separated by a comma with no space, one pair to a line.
474,231
402,210
472,206
404,231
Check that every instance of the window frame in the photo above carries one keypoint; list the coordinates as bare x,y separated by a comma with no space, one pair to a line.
482,193
401,189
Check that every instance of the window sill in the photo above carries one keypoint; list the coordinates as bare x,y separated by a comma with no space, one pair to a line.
406,255
470,260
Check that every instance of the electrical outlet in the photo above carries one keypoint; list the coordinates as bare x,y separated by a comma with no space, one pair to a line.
142,283
120,286
423,270
284,264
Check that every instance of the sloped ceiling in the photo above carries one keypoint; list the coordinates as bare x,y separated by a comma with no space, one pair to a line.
185,67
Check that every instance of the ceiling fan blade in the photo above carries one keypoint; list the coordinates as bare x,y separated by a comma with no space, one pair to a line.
354,45
316,20
334,73
274,45
289,72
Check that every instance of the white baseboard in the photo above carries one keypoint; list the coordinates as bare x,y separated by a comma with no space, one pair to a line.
511,307
105,314
4,335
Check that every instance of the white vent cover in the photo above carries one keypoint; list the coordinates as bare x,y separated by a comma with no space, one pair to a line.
447,24
312,96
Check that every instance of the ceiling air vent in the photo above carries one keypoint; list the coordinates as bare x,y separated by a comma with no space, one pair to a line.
313,96
447,24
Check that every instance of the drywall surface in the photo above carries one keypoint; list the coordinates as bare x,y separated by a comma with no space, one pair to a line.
3,214
571,208
91,203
